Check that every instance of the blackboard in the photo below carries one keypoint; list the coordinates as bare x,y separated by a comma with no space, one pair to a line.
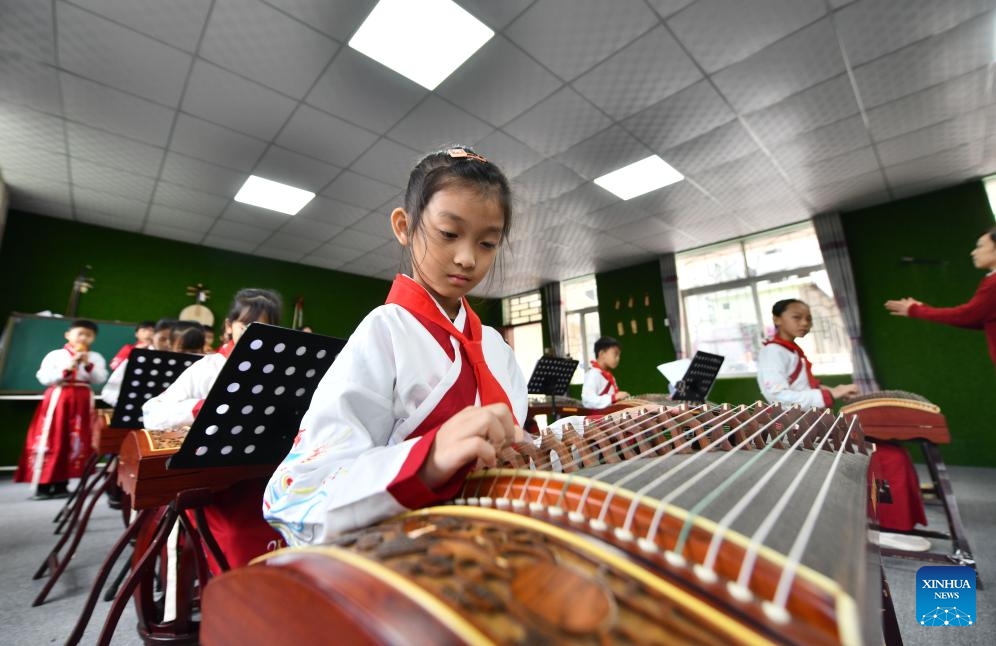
27,338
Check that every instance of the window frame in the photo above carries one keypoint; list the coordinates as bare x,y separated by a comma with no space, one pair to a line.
750,279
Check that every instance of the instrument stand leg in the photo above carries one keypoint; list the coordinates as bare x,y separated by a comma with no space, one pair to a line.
145,516
57,565
142,571
113,588
80,497
890,623
962,554
74,500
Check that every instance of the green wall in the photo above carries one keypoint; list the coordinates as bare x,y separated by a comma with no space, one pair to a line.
948,366
629,296
140,277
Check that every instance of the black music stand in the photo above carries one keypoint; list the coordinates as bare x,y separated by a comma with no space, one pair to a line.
552,376
698,380
254,409
148,373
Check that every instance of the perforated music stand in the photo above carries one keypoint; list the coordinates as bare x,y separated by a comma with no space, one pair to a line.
698,380
147,374
254,409
552,376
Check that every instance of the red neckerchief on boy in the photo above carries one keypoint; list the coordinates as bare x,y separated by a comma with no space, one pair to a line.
408,294
803,361
609,378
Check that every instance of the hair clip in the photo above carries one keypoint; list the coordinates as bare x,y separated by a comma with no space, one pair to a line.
463,153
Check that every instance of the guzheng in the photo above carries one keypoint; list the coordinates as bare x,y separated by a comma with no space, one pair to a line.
106,440
142,472
899,415
710,524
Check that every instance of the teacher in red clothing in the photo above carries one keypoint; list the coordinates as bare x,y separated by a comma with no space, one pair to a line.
979,313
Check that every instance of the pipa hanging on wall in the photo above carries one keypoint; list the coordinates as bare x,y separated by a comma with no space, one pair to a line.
198,311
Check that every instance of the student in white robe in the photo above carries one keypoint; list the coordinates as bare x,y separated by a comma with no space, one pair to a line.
784,373
422,393
600,389
189,340
58,443
234,517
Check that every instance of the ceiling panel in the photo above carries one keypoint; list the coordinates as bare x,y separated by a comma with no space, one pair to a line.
325,137
930,106
282,165
571,36
719,33
364,92
149,118
219,96
212,143
435,124
178,22
266,45
872,28
558,122
29,82
481,85
115,111
802,60
111,150
652,68
925,63
98,49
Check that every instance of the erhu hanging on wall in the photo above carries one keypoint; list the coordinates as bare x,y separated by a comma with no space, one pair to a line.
81,285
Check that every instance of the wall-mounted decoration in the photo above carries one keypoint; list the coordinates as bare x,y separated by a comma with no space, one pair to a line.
633,326
198,311
650,324
620,330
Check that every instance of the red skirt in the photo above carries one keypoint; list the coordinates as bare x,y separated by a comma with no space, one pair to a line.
895,489
59,439
235,518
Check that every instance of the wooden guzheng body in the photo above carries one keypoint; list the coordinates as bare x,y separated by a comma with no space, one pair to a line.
142,472
897,415
666,525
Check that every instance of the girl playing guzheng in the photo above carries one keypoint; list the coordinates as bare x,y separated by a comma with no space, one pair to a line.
784,373
234,516
422,393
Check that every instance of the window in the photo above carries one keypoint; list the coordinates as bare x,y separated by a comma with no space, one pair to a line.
580,298
523,316
727,292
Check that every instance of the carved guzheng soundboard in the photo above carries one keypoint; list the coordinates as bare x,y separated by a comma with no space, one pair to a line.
142,472
713,524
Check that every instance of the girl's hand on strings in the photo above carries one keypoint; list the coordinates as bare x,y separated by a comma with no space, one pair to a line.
475,434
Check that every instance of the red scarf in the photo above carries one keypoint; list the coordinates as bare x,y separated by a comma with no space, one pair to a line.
793,347
226,349
611,386
413,297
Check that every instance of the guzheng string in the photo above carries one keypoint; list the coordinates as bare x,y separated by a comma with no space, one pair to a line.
709,498
776,609
761,533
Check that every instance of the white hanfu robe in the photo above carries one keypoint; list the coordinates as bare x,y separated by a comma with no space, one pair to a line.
178,405
354,440
597,391
783,380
